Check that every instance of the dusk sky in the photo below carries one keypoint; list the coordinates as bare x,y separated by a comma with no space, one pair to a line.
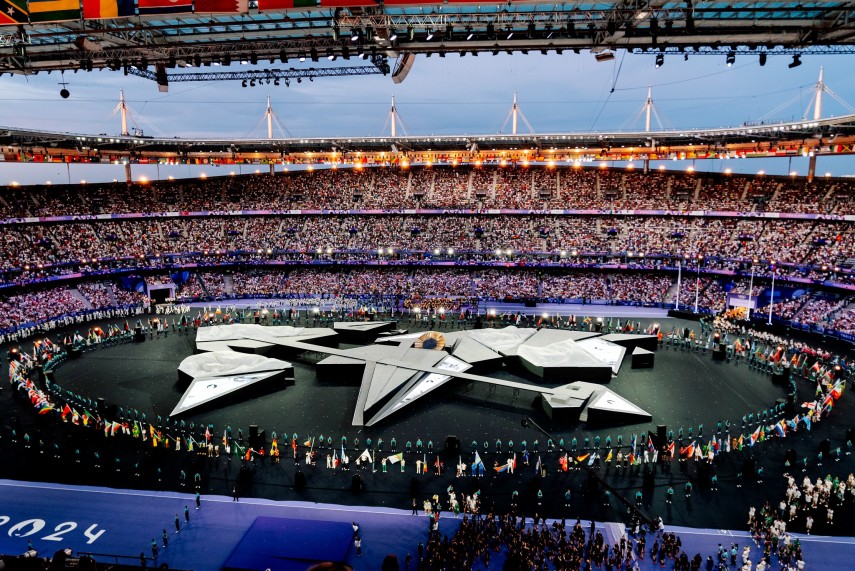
451,95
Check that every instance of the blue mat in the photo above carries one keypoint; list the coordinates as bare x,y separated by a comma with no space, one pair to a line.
285,544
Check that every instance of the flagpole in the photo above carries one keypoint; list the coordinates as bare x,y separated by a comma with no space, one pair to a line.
679,278
772,296
698,283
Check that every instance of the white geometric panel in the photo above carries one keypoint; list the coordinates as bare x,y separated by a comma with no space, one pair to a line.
419,388
206,389
609,353
609,401
505,340
222,363
566,353
247,331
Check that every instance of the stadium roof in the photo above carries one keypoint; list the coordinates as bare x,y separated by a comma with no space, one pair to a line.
818,137
275,31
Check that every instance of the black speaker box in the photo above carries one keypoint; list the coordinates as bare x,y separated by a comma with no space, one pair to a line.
452,444
661,434
825,447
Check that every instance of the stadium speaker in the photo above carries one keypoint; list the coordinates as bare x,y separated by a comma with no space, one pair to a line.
452,444
661,434
403,66
825,447
530,303
479,323
415,487
790,456
356,484
161,77
850,435
254,441
101,405
791,403
299,480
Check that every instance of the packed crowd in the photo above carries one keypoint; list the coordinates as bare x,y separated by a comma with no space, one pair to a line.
519,187
813,246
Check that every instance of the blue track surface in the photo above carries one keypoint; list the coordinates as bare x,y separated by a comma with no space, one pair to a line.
55,516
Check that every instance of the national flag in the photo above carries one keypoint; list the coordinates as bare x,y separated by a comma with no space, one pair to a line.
609,455
538,464
54,10
307,443
755,436
13,12
207,434
151,431
226,440
633,442
515,460
740,442
806,420
591,460
148,7
365,456
45,409
135,430
102,9
477,458
395,458
631,459
221,7
780,428
66,410
671,448
424,464
582,458
837,390
501,468
650,446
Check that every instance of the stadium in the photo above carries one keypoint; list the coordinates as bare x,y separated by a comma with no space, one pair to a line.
529,350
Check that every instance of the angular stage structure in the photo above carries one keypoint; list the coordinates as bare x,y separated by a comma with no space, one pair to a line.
590,403
362,331
271,341
553,354
631,340
402,367
215,375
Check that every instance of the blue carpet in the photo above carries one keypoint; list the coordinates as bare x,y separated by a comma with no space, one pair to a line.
55,516
286,544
